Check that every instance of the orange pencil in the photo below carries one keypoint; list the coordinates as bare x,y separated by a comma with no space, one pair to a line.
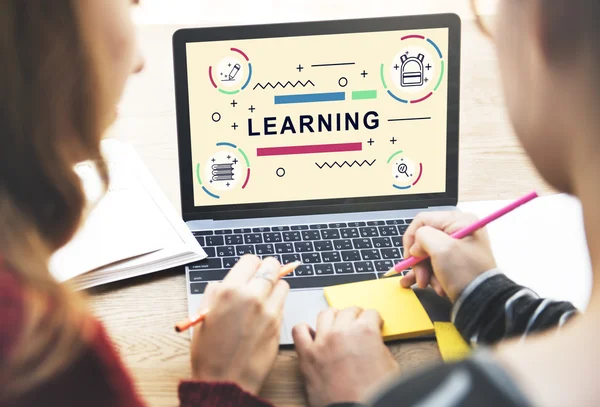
188,323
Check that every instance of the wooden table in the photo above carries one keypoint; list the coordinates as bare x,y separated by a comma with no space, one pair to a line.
140,313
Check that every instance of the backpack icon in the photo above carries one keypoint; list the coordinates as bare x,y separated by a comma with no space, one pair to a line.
411,72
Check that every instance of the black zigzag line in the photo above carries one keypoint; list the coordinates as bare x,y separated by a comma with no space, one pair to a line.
335,163
283,85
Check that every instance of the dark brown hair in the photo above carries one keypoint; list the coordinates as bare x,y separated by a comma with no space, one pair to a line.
50,112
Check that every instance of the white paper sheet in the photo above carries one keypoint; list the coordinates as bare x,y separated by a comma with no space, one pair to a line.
119,227
542,246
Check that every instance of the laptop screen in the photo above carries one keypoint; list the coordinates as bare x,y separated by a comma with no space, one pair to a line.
318,117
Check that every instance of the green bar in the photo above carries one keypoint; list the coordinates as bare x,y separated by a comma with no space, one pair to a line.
364,94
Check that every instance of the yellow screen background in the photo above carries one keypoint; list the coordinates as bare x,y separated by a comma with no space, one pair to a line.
277,60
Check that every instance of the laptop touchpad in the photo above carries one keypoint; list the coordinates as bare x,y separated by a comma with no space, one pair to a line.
301,306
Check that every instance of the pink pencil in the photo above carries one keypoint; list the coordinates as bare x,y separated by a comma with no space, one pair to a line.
411,261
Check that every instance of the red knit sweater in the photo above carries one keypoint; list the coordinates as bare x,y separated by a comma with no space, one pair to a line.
98,377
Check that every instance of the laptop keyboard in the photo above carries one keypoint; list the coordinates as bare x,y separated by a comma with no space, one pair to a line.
335,253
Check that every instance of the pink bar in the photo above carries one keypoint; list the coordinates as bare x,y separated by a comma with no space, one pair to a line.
313,149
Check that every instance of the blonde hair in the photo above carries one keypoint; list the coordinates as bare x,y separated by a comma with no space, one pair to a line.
51,101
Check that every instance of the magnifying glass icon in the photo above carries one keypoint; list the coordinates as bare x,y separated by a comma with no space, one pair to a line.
403,169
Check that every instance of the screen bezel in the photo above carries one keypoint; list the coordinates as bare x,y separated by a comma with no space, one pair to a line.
321,206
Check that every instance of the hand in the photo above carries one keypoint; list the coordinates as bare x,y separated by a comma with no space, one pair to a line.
453,263
239,339
346,359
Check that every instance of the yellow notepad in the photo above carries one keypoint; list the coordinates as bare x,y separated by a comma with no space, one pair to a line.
402,312
452,345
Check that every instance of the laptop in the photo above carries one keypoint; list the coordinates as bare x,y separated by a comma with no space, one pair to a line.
316,141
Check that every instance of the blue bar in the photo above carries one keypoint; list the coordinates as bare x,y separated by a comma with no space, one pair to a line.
310,97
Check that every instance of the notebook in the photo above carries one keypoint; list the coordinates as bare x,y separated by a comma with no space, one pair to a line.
403,315
132,230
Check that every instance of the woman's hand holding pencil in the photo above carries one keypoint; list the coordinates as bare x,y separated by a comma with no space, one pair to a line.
238,338
448,250
453,263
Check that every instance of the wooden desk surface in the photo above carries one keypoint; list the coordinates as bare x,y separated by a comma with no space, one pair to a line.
140,313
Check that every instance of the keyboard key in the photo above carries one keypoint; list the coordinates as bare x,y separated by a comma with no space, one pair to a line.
370,254
311,235
280,228
362,243
284,248
350,255
208,275
304,270
210,251
290,258
343,268
229,262
265,249
330,257
203,233
200,240
330,234
349,233
206,264
388,231
300,227
397,241
376,223
198,288
244,230
223,232
384,265
261,230
253,238
291,236
273,237
311,258
303,247
345,244
369,232
382,242
215,241
322,269
364,267
402,229
234,239
408,221
320,226
223,251
244,249
323,245
395,222
337,225
326,281
391,254
356,224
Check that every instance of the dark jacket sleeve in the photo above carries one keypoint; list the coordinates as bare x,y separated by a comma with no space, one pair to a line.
493,308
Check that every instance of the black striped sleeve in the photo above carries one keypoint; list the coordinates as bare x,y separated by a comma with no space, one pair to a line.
493,308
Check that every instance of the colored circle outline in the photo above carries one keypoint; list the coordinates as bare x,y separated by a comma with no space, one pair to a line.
418,177
442,70
230,145
232,92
